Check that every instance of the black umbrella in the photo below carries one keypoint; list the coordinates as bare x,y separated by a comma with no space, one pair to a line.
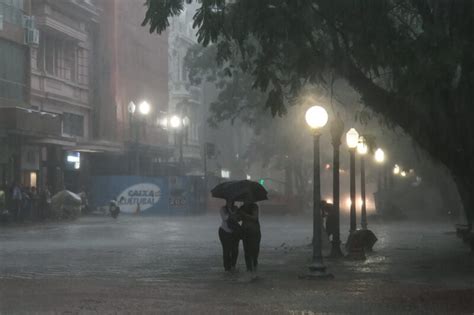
240,190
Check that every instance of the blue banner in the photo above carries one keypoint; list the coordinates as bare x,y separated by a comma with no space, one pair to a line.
148,195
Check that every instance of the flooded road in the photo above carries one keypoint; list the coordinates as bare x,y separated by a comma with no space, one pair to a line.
174,265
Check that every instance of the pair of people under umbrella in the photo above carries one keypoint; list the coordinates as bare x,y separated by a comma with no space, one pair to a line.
231,232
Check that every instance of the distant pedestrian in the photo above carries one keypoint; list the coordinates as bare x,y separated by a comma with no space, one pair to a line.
251,234
329,213
229,235
34,201
26,203
17,197
45,203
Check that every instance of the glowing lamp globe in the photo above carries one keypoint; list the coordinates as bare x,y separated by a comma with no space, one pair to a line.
175,122
144,108
396,169
352,138
362,148
316,117
379,155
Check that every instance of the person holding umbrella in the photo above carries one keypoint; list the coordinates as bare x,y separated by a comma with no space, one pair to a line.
251,234
249,193
229,234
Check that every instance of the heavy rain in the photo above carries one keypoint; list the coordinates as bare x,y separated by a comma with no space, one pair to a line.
234,156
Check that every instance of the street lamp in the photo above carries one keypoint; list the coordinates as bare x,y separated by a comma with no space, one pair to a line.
379,157
317,118
178,123
396,169
362,150
352,139
175,122
336,129
144,109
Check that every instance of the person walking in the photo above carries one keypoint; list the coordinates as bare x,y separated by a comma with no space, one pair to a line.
229,235
330,215
45,203
251,234
17,197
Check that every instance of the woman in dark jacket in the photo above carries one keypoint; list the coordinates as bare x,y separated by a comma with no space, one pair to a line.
251,235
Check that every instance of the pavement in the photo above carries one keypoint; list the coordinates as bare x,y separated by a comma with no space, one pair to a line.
173,265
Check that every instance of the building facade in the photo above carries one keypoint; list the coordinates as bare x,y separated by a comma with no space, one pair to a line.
20,125
132,68
68,71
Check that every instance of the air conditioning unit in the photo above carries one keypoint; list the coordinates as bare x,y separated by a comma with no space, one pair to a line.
32,37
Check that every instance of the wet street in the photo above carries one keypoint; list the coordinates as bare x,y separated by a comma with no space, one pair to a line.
173,265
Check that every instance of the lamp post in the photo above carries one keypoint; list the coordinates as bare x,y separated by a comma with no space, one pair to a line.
362,150
144,109
379,158
337,129
316,118
179,124
352,138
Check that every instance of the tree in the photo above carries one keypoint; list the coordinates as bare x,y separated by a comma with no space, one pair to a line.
410,60
277,144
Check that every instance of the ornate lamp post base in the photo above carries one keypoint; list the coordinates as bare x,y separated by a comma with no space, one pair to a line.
317,271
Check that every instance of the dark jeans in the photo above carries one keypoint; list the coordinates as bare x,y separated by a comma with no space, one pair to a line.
230,248
251,240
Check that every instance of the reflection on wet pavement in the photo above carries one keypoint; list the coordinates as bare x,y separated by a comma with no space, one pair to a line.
177,261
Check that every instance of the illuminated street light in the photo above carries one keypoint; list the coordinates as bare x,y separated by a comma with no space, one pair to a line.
352,139
316,118
144,108
163,122
362,150
379,155
175,122
396,169
337,130
403,174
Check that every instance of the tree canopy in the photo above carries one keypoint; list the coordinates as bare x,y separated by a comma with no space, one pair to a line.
410,60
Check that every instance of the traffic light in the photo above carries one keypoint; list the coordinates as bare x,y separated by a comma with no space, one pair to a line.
261,181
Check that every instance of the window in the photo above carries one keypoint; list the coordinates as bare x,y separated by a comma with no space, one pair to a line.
12,11
12,71
73,125
59,58
82,66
